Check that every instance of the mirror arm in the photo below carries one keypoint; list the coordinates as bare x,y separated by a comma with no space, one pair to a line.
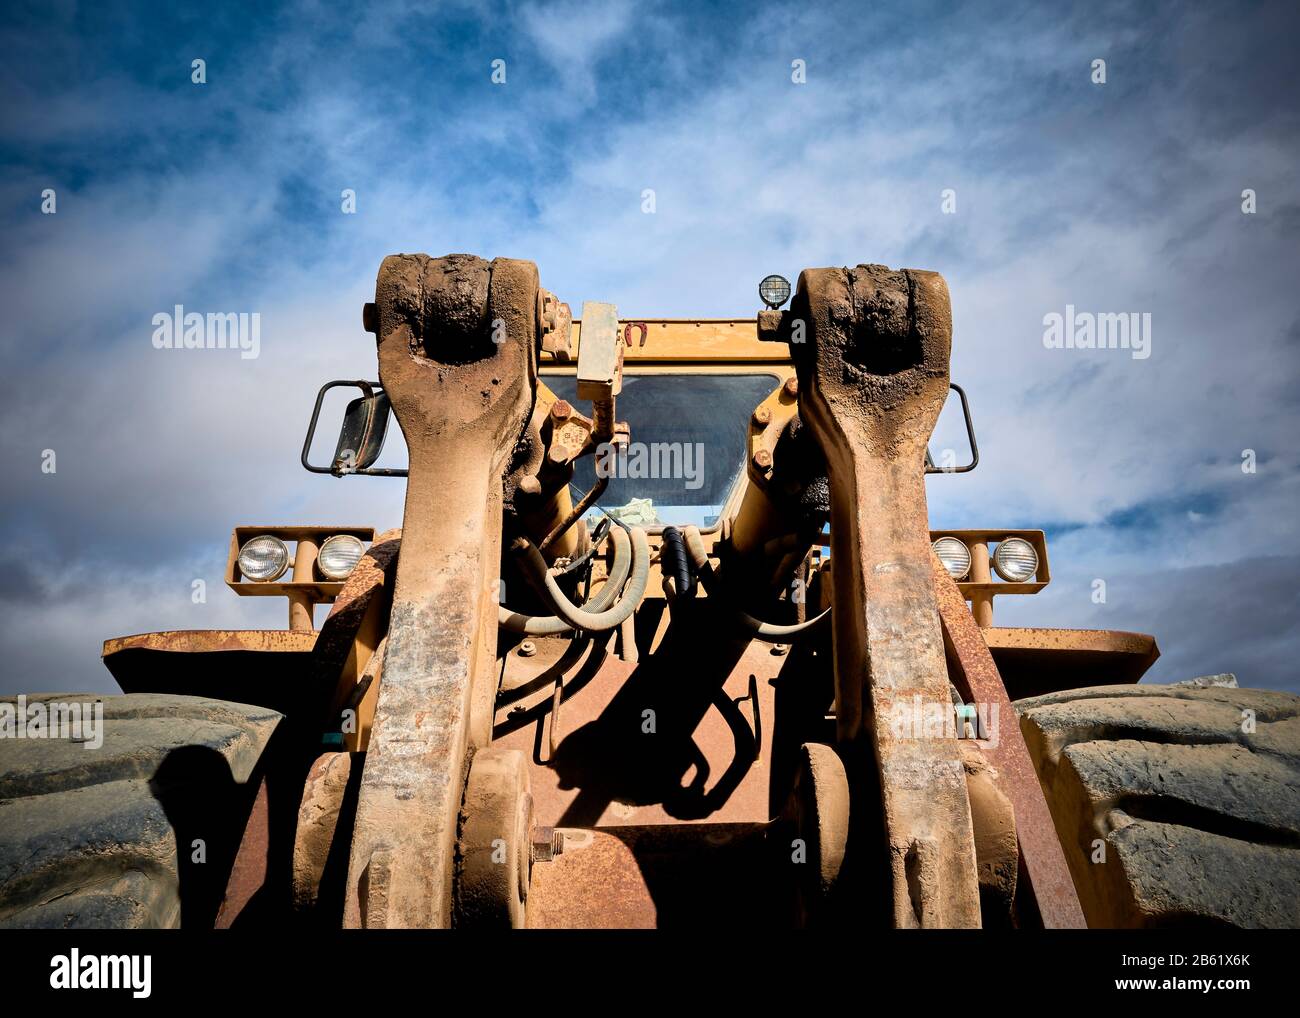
930,468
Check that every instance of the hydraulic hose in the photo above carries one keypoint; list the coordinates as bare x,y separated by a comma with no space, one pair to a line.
624,560
602,621
675,564
597,538
766,631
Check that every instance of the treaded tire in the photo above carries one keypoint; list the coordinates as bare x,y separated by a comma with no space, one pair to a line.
1193,818
105,838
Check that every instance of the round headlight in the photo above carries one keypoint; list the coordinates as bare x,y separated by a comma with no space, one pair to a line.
263,559
339,556
1015,560
954,555
774,290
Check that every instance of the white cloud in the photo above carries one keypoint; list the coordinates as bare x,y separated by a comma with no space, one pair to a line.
1065,195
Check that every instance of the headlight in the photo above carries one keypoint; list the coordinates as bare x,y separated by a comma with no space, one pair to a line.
263,559
954,555
774,291
1015,560
339,556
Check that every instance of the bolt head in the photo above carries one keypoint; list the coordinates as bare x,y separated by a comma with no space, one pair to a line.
763,415
527,648
791,386
762,459
547,843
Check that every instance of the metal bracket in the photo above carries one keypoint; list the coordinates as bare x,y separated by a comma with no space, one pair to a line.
930,468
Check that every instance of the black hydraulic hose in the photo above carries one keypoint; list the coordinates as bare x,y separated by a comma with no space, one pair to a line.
675,562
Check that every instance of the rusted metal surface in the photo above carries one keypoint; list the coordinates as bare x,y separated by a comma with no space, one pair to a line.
537,489
334,640
600,380
993,819
820,812
600,359
596,884
457,342
205,641
1072,641
323,835
271,668
707,760
369,581
347,648
555,320
308,675
873,376
1044,861
691,876
1037,661
249,872
494,850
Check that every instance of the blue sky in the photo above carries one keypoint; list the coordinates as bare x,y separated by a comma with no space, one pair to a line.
1118,197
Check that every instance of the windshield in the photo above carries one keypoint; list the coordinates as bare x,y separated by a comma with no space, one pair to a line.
688,435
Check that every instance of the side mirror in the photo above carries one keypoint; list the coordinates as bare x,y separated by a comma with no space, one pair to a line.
361,436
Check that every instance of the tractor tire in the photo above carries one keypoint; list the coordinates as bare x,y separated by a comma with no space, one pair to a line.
140,832
1177,806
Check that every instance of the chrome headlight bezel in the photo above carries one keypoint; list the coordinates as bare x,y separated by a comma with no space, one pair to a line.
339,540
281,559
774,290
949,545
1023,552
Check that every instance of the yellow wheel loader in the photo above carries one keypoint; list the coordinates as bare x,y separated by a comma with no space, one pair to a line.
664,639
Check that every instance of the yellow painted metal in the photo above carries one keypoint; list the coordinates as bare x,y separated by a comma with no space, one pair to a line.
691,339
757,520
206,641
979,587
539,523
979,577
303,589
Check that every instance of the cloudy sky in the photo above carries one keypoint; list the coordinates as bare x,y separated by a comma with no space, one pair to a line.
226,196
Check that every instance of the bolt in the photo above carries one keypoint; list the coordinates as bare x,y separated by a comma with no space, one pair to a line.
370,318
561,410
530,485
791,386
763,415
780,649
762,459
527,648
548,842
